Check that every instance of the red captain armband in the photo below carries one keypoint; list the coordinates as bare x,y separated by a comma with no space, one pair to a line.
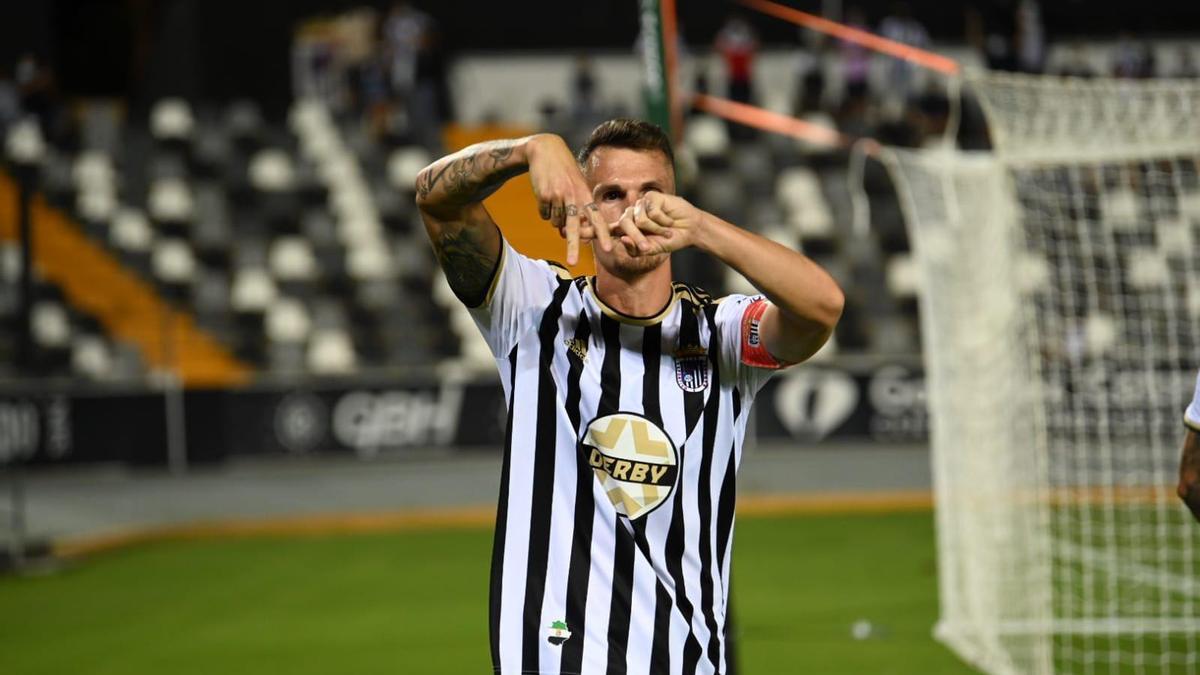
754,352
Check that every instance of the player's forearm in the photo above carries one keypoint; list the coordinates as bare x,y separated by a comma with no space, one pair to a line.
1189,473
470,175
809,300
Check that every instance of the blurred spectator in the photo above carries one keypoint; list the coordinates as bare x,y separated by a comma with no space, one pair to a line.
583,86
584,110
1185,66
1075,62
354,35
10,100
39,96
738,45
902,27
1030,37
1132,59
417,72
856,59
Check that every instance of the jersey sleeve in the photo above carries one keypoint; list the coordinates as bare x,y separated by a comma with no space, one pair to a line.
1191,417
521,288
739,319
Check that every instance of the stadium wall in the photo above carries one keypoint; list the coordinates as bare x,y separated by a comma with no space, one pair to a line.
47,423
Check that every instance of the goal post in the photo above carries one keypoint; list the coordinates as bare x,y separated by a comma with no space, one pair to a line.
1060,311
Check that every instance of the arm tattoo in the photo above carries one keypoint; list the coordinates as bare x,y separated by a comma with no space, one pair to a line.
468,267
1189,473
470,175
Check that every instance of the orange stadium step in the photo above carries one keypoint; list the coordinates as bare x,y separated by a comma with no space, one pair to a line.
513,206
130,309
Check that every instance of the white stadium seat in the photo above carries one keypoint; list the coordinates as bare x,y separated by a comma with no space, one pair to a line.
94,169
707,136
404,165
50,325
271,170
903,277
253,290
130,231
90,356
287,321
331,352
367,261
172,261
96,203
170,200
292,259
171,118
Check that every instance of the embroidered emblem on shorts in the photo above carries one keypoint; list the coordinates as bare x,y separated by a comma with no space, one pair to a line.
691,368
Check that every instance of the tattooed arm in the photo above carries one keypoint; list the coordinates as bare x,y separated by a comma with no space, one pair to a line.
1189,473
450,194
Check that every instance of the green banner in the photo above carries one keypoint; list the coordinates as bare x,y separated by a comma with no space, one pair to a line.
656,89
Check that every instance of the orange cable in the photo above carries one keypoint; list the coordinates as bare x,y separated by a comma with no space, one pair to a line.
921,57
756,117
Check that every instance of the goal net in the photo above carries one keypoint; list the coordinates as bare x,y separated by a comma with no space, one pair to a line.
1061,325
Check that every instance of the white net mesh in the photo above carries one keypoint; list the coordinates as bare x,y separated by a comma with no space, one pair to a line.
1061,318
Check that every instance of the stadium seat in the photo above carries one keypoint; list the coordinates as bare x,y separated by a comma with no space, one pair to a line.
271,170
96,207
404,165
130,233
253,291
753,165
170,205
331,352
174,267
171,119
287,321
292,263
90,357
50,325
708,137
903,277
94,169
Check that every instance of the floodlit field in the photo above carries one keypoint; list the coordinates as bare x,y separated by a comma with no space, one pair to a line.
416,602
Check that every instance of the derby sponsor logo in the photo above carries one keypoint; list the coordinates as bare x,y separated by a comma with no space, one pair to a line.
634,460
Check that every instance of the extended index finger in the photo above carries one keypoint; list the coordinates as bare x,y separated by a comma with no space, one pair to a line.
572,231
601,228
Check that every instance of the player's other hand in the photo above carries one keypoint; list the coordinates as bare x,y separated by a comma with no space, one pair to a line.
667,223
562,193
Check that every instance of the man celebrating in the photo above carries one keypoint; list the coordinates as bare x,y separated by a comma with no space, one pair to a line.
1189,465
628,398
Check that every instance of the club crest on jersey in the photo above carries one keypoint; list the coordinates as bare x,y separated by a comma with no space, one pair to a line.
691,368
634,460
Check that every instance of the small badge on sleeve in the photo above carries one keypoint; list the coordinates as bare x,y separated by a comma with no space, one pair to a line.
754,352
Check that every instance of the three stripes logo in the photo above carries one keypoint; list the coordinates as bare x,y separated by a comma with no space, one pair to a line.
634,460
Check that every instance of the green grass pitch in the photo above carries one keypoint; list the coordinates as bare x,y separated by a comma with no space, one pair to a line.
416,602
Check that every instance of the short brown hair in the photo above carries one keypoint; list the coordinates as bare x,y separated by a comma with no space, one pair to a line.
624,132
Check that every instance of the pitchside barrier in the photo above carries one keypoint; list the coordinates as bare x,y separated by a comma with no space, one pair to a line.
49,423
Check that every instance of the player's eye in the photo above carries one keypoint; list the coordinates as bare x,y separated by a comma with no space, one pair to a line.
610,195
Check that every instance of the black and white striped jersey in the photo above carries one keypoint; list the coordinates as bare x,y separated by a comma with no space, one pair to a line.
616,511
1191,416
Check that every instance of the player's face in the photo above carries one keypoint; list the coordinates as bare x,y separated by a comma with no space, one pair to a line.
618,178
